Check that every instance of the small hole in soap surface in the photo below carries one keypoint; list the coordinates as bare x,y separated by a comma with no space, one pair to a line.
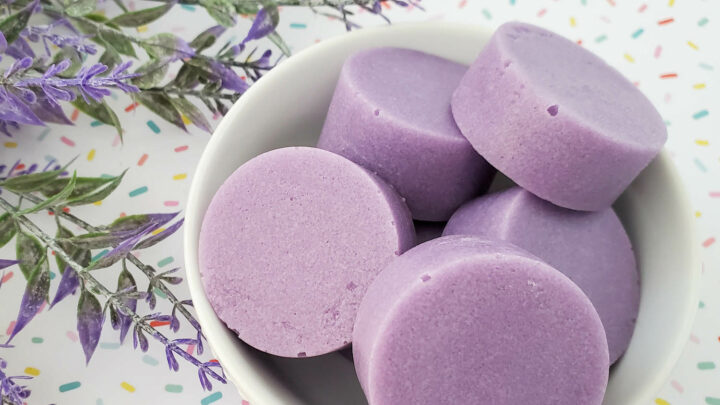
425,278
302,354
377,112
507,63
553,109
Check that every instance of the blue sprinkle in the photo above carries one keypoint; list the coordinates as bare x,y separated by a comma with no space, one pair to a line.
69,386
300,26
638,33
487,14
703,21
138,191
211,398
700,165
49,158
153,126
95,123
52,275
165,261
109,345
150,360
101,254
700,114
99,402
512,2
43,134
106,176
706,66
188,7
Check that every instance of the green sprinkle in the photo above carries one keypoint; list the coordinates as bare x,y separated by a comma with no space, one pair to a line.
100,254
601,38
153,126
700,165
159,293
150,360
52,275
69,386
37,340
174,388
703,21
700,114
188,7
109,345
99,402
165,261
706,365
43,134
712,401
487,14
299,26
95,124
138,191
638,33
701,305
106,176
211,398
584,2
706,66
512,2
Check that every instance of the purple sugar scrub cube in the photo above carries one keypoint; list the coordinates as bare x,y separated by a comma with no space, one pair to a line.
391,114
426,231
290,243
462,320
590,248
555,118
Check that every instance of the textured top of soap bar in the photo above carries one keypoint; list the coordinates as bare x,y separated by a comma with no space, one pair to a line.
462,320
585,86
290,243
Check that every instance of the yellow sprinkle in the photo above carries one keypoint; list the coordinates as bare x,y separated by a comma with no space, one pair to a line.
185,119
698,214
32,371
572,22
97,203
699,86
11,145
629,58
91,155
142,28
660,401
179,176
702,142
692,45
127,387
671,3
157,231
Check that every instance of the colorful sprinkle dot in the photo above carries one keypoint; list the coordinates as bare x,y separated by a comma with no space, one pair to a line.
715,194
699,86
6,278
706,66
668,76
138,191
180,176
573,23
211,398
72,335
127,387
679,388
37,340
188,7
159,293
91,155
100,254
174,388
702,21
601,38
637,33
67,141
181,148
32,371
700,114
74,115
150,360
69,386
708,242
700,165
629,58
165,261
671,3
142,159
131,107
95,123
702,142
171,203
142,28
153,126
701,305
712,401
660,401
692,45
109,345
658,51
10,145
666,21
298,26
43,134
706,365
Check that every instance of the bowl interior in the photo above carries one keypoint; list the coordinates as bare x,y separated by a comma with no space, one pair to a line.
287,107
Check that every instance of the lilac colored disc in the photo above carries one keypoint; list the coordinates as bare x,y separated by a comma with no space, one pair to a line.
462,320
555,118
591,248
391,114
290,243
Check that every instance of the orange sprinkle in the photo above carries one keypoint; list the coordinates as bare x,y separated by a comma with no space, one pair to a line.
142,160
155,324
131,107
666,21
669,76
75,114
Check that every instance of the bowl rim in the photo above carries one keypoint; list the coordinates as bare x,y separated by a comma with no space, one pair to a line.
223,343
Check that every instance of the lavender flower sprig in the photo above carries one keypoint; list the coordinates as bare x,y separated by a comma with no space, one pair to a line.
10,391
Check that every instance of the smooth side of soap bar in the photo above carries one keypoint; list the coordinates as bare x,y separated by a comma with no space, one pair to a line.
391,114
555,118
463,320
290,243
590,248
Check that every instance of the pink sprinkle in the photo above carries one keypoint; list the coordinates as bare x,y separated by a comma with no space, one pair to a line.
668,97
142,160
605,19
715,194
116,141
462,4
244,402
10,328
677,386
190,349
67,141
642,8
709,241
131,5
541,12
170,203
181,148
612,2
7,278
658,50
72,335
41,307
694,339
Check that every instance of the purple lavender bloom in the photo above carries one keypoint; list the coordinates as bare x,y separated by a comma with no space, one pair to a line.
9,389
7,263
20,49
68,285
13,109
42,33
230,79
262,25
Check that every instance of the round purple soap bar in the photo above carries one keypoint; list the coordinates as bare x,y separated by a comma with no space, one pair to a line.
391,114
555,118
462,320
590,248
290,243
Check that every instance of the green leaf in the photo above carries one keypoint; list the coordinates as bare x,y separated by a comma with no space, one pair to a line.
279,42
142,17
118,41
78,8
32,182
129,223
30,252
98,194
187,77
94,240
7,228
205,39
161,105
57,198
14,23
79,255
192,113
73,56
151,73
161,45
83,185
100,111
89,323
110,57
221,10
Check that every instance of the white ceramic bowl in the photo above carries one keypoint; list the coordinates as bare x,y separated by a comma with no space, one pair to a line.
287,107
